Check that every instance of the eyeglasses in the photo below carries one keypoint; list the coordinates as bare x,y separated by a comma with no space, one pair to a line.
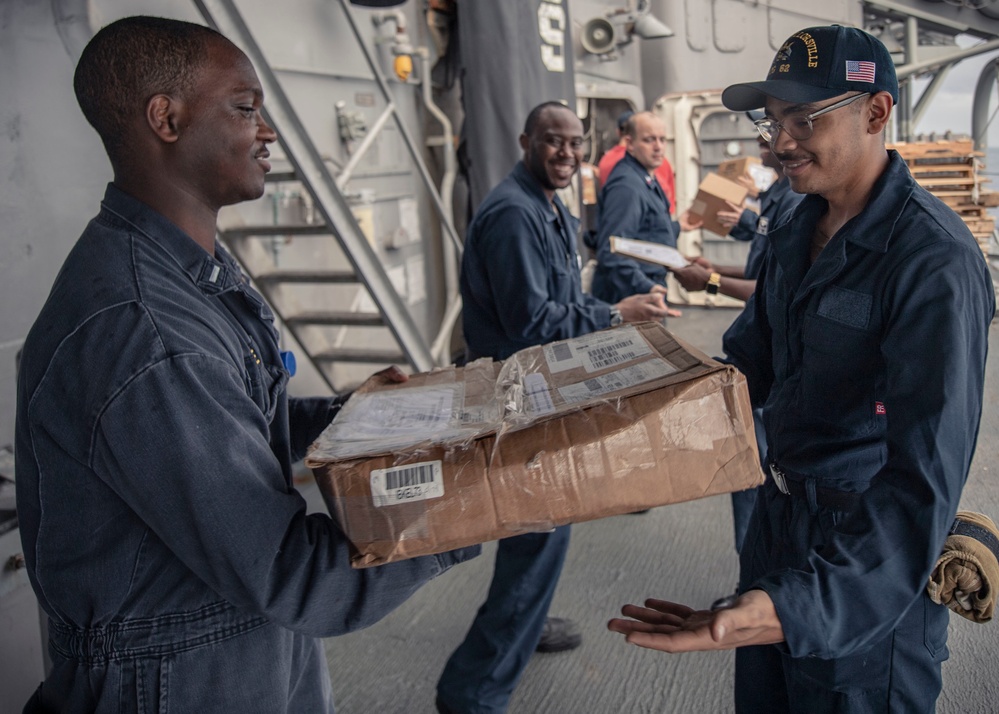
798,127
557,142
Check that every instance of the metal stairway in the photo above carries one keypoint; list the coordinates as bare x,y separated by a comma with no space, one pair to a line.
310,327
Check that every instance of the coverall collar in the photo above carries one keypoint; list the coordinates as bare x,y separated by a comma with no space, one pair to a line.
532,187
870,229
213,274
649,177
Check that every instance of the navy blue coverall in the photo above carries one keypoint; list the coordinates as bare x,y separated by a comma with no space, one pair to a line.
632,205
870,365
775,203
520,286
163,535
520,282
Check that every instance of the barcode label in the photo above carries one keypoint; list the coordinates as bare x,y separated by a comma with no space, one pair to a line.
561,352
597,350
609,355
617,380
614,347
409,476
405,484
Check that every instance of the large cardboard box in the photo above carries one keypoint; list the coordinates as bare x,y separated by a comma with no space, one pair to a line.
614,422
711,197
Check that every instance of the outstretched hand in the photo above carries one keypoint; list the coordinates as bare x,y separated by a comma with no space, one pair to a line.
643,306
670,311
671,627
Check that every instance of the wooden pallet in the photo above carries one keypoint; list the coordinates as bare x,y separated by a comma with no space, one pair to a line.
951,171
971,210
981,229
989,199
949,181
923,150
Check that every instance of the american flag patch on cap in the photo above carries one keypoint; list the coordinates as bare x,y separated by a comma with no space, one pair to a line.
859,71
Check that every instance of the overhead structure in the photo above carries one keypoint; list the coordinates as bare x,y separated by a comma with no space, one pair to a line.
334,218
922,37
603,33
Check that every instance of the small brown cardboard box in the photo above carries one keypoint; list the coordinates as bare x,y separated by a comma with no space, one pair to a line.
750,167
712,194
732,169
614,422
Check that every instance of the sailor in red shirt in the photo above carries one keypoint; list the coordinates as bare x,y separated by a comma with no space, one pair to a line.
663,173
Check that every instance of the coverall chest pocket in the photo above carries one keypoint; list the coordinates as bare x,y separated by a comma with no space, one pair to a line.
655,219
264,382
839,374
655,223
562,278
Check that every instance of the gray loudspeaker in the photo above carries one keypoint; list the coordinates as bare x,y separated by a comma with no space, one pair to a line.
598,36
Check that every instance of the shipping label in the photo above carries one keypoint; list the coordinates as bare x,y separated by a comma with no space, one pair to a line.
406,484
417,412
617,380
597,351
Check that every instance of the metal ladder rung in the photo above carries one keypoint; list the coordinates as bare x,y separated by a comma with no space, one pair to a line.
263,231
274,277
279,176
360,355
351,319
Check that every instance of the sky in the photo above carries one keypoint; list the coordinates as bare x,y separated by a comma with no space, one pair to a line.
951,108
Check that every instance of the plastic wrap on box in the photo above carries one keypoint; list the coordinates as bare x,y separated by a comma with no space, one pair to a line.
610,423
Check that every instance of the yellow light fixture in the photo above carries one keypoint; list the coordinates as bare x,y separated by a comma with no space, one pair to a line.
403,66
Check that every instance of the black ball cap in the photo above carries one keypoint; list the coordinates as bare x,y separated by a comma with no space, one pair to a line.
820,63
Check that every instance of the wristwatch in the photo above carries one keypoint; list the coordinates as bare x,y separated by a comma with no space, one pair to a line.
615,316
714,282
